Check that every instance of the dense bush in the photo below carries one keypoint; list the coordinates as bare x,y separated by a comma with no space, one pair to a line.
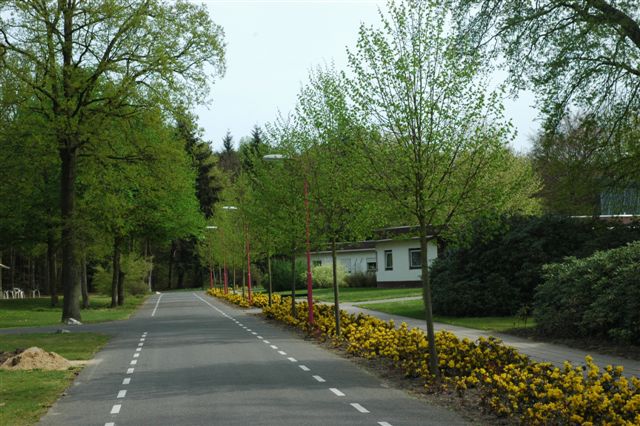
136,270
361,279
498,268
598,296
323,275
281,274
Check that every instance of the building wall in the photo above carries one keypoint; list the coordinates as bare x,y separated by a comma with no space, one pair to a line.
400,276
400,252
353,261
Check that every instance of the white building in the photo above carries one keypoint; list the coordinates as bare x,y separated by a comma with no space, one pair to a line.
395,260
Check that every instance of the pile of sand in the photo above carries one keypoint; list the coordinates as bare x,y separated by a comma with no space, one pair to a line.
35,358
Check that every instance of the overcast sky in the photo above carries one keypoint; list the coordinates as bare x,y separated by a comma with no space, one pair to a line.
272,45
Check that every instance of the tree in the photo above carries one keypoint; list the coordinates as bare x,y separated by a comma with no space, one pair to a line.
87,62
434,136
149,196
341,211
570,163
252,149
210,179
583,54
229,157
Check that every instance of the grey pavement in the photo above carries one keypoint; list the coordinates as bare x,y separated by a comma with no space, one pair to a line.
539,351
188,359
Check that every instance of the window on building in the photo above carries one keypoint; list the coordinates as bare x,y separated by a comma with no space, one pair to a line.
388,260
316,263
414,259
372,266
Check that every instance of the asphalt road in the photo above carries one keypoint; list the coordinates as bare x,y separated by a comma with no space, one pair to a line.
187,359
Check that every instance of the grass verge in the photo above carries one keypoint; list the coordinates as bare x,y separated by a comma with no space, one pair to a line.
415,309
26,395
360,294
38,312
73,346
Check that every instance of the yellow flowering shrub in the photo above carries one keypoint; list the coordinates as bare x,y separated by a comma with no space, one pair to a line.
510,383
259,300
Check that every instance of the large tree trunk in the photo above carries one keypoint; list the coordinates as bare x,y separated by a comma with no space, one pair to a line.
172,253
243,281
180,277
121,287
70,281
336,298
270,283
148,255
51,273
83,282
115,270
293,283
12,267
426,294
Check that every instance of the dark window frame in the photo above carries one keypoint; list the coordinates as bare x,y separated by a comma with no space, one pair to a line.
411,251
388,266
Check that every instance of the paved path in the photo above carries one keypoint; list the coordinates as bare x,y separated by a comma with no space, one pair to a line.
187,359
539,351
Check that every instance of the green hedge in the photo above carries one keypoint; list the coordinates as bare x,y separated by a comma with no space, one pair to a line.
598,296
281,274
498,269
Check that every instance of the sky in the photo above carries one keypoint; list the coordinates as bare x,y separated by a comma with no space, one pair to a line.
271,47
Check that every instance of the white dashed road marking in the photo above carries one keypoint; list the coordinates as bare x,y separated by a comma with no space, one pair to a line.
134,362
136,355
122,394
130,370
110,424
116,409
126,380
359,407
153,314
336,391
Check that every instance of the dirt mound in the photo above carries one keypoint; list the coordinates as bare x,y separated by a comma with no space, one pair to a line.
35,358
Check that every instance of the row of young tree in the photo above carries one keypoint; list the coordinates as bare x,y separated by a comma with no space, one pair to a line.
411,132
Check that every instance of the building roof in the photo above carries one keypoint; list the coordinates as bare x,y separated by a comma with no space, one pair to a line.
380,235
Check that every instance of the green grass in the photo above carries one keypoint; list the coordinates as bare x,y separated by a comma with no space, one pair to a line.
26,395
38,312
415,309
359,294
73,346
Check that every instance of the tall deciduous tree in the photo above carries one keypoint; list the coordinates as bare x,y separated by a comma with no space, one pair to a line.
435,135
86,60
580,53
342,208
